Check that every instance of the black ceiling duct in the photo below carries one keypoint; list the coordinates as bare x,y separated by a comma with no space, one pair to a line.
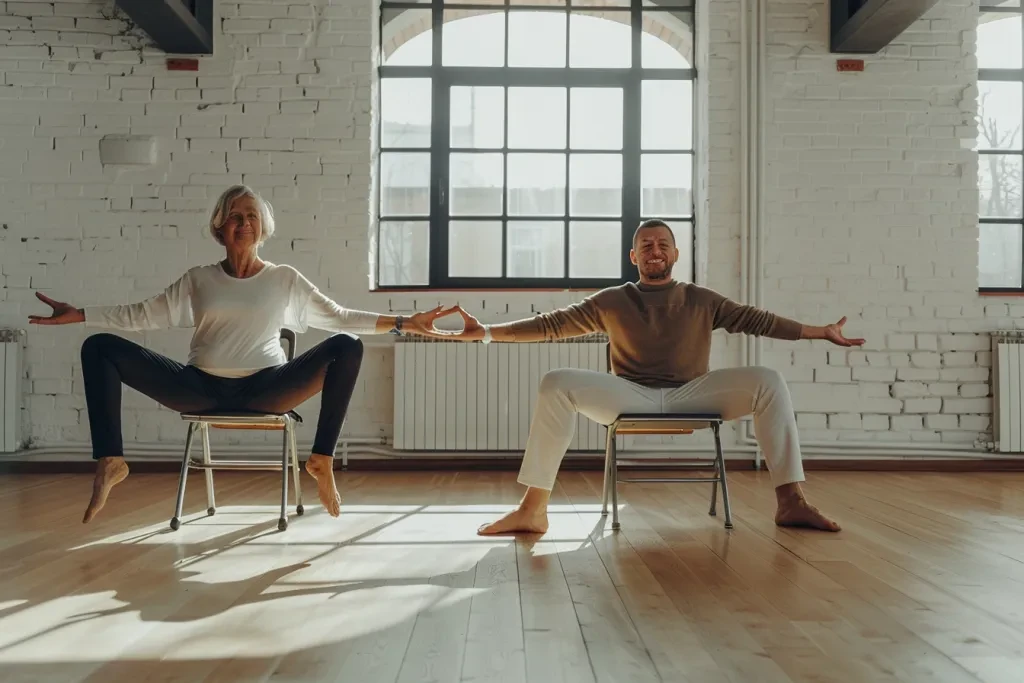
866,26
176,26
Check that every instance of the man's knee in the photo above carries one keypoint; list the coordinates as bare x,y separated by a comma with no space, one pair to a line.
563,380
767,377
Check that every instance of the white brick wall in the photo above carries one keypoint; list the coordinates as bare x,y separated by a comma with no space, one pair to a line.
870,198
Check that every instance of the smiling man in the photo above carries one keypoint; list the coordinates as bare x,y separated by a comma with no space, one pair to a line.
660,341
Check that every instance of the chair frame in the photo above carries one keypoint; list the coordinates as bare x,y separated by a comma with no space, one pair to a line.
202,421
667,423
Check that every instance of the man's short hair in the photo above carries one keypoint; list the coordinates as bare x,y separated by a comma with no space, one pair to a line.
653,223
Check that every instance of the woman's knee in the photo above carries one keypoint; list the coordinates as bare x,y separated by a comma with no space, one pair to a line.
346,348
99,344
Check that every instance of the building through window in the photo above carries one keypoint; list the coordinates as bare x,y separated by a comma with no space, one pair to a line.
1000,151
520,145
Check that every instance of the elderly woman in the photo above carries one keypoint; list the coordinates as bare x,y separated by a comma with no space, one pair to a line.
237,308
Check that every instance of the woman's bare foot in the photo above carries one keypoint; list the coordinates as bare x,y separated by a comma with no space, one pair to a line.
321,468
800,513
525,520
109,473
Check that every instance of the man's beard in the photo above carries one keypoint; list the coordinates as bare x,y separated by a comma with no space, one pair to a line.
663,274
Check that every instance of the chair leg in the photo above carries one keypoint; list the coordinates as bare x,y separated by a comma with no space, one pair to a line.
282,522
211,502
613,468
176,519
295,471
607,468
714,489
721,467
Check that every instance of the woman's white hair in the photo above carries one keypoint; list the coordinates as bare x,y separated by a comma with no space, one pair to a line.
223,206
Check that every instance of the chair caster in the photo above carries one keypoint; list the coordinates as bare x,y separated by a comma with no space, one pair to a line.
713,513
175,523
729,525
300,510
282,524
616,526
211,511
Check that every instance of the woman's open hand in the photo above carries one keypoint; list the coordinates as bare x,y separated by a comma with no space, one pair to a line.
62,313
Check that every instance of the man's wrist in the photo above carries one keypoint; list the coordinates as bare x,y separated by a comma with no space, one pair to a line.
812,332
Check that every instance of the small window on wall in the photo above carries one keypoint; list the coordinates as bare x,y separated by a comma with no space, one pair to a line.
520,146
1000,147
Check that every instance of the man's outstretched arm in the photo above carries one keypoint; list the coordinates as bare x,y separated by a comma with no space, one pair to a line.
741,318
576,320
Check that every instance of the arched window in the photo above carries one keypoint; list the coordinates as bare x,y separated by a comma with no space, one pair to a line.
1000,147
520,145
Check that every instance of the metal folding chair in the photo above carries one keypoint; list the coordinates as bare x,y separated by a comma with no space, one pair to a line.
669,423
663,423
203,421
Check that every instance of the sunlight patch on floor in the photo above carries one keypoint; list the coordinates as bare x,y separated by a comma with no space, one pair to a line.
231,585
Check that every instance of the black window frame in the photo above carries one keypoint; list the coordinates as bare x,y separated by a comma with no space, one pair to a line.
1011,76
442,79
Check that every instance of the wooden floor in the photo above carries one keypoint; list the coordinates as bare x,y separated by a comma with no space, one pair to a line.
926,583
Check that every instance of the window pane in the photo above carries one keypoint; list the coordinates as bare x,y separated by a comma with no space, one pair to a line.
595,249
473,38
595,185
405,112
999,115
536,249
999,255
536,184
477,116
666,41
595,118
536,39
666,115
666,181
999,41
536,118
474,249
406,37
404,183
599,40
404,253
613,3
999,182
475,185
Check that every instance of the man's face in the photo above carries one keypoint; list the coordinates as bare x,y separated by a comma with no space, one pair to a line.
654,253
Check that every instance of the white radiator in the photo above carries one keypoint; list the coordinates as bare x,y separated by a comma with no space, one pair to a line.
1007,390
11,352
452,396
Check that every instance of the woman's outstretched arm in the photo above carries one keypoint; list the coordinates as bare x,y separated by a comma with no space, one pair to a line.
170,308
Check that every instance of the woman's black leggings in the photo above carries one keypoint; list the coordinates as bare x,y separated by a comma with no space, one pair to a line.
331,367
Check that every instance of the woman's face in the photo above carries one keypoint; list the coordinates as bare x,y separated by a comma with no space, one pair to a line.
242,227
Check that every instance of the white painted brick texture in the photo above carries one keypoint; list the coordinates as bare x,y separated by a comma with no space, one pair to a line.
871,199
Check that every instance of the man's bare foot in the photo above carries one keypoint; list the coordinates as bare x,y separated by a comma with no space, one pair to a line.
521,519
321,468
799,513
109,473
